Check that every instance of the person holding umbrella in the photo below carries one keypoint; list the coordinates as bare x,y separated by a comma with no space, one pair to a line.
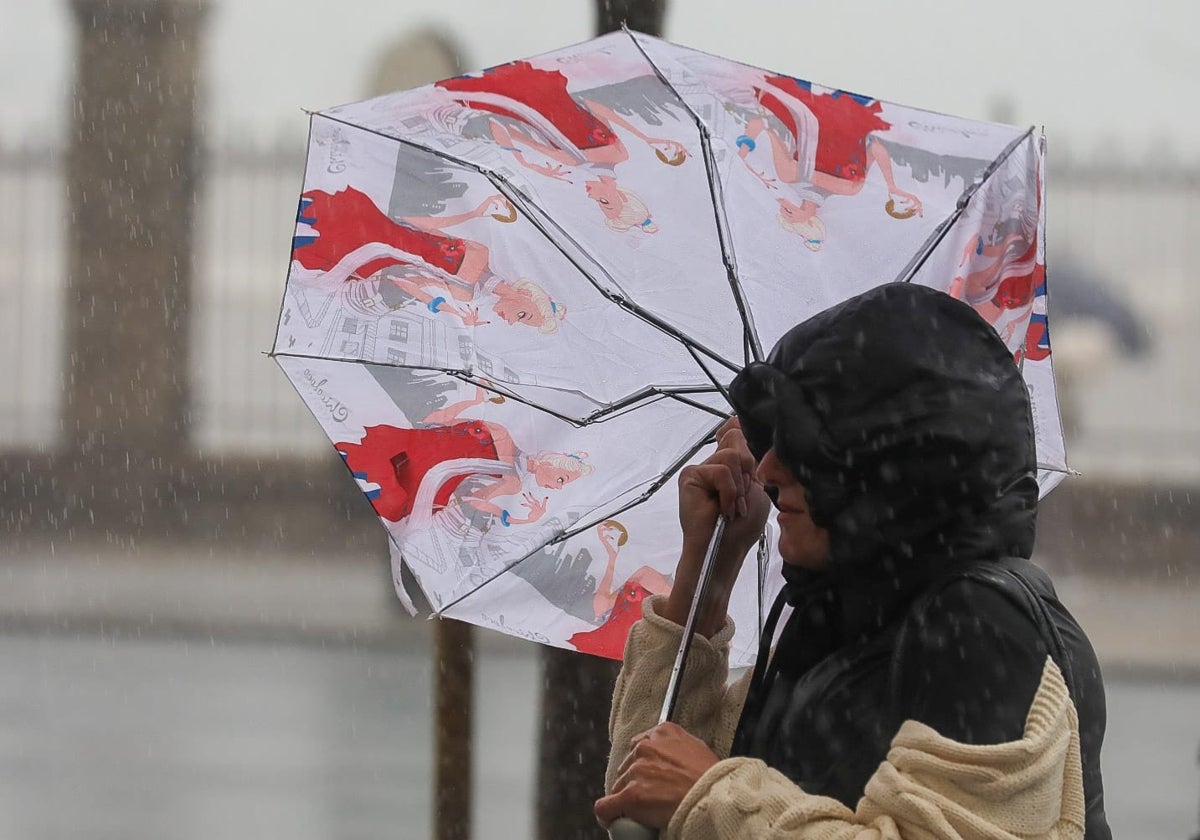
927,681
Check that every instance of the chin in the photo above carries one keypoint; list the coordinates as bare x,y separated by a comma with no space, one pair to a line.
811,557
812,564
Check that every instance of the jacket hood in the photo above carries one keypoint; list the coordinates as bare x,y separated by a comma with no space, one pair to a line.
902,413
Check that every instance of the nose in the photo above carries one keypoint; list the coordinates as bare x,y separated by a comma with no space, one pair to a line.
771,470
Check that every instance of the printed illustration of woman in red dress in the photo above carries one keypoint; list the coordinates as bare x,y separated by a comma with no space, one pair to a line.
1000,276
535,112
845,150
399,460
355,240
617,609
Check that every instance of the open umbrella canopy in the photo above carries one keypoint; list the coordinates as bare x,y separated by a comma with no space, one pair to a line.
516,298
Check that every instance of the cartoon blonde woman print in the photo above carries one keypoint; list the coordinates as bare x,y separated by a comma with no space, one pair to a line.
532,111
525,302
519,302
617,608
400,466
836,162
349,239
623,209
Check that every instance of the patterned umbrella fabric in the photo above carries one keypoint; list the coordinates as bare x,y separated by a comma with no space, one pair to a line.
516,297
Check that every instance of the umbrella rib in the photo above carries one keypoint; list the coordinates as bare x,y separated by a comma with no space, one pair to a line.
711,378
540,221
606,413
637,399
926,251
291,251
457,374
1043,210
699,405
432,368
599,416
724,239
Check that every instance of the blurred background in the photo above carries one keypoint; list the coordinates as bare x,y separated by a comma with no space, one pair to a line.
199,633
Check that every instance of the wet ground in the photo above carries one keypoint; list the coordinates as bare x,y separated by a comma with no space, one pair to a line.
203,737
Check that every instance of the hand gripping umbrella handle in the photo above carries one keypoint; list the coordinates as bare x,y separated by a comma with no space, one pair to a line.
623,828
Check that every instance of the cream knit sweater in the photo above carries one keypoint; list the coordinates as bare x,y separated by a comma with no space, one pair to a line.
928,786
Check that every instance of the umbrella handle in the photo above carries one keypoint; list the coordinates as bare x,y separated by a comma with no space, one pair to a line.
685,642
623,828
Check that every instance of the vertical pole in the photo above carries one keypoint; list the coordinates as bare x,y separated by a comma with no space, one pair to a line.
454,659
131,173
639,15
574,745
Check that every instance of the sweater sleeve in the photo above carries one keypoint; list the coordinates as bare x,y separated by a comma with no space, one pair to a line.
929,788
707,707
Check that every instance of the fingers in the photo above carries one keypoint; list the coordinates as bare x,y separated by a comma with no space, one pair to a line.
610,807
733,451
625,791
731,436
728,475
716,481
636,751
729,425
662,765
641,748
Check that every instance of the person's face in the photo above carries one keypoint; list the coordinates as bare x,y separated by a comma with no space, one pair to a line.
801,542
516,306
605,193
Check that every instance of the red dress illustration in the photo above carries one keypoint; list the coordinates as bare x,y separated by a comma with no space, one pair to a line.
348,219
541,91
609,638
1037,340
1017,291
1006,277
398,459
845,122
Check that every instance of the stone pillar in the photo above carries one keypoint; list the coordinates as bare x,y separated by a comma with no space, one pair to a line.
131,172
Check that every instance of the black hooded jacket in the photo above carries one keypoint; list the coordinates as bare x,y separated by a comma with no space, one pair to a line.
904,417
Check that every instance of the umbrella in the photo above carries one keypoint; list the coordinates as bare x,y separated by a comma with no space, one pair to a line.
516,297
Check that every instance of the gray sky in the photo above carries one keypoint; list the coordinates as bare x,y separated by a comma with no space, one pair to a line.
1103,77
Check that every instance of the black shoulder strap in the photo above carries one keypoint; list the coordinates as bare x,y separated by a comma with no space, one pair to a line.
1014,586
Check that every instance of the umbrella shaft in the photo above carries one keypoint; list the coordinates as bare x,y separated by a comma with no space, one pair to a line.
685,644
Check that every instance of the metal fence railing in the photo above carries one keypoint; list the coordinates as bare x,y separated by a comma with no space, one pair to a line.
1132,230
243,403
32,282
1128,230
